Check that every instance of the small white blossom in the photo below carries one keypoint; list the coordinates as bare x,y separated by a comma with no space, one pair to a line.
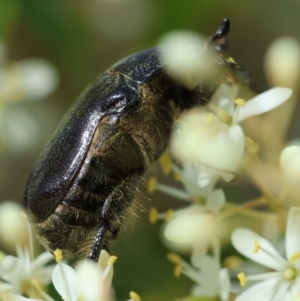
199,186
20,271
283,284
87,281
205,270
215,138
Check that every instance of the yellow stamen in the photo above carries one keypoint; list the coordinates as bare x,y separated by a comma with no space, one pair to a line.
151,184
232,262
289,274
112,260
295,256
168,215
251,146
165,163
174,258
153,215
134,296
177,176
256,247
210,118
58,255
242,278
240,102
177,270
231,60
35,283
224,116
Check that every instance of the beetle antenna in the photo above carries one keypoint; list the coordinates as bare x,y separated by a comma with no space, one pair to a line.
220,36
222,31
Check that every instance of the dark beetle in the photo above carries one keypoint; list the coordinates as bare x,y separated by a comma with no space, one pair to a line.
86,177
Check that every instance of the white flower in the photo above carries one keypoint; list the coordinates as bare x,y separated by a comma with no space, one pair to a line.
89,281
215,138
6,290
189,226
283,284
21,271
211,280
199,183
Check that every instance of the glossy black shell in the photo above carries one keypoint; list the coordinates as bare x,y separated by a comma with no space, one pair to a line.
58,164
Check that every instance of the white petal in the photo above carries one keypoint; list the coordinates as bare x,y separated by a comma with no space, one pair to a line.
93,286
225,284
216,200
262,291
281,290
292,243
103,260
264,102
209,268
43,275
214,144
264,276
11,269
42,259
224,98
7,289
243,240
66,282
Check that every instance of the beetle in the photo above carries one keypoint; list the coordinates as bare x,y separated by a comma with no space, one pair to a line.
85,179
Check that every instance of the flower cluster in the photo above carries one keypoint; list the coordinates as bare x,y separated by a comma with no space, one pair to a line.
210,145
25,275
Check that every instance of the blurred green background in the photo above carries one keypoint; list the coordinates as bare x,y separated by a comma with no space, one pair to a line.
83,38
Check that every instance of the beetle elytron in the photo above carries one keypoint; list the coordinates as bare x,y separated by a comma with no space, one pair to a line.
86,177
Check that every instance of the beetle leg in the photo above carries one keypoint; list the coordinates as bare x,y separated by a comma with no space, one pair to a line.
97,245
112,214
